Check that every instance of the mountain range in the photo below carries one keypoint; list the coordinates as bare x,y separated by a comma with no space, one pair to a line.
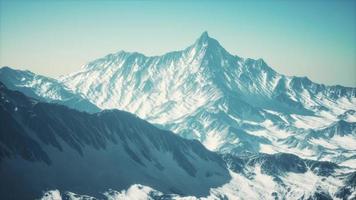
269,136
47,146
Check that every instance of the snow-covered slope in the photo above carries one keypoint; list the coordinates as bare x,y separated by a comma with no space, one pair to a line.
229,103
48,146
44,88
279,176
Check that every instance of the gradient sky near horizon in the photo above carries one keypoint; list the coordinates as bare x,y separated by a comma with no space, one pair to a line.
314,38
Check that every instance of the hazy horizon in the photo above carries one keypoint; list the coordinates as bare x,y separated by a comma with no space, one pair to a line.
315,39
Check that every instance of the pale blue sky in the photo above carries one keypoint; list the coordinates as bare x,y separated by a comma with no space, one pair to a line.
304,38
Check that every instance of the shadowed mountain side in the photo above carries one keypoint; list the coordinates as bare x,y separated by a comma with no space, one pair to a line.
46,146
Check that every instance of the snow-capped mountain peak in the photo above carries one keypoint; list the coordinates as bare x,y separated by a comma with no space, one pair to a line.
204,41
227,102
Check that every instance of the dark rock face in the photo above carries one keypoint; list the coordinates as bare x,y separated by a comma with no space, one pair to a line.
321,168
320,196
273,165
48,146
350,186
279,164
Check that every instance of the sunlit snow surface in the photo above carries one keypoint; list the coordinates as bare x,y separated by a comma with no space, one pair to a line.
228,103
258,186
44,89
